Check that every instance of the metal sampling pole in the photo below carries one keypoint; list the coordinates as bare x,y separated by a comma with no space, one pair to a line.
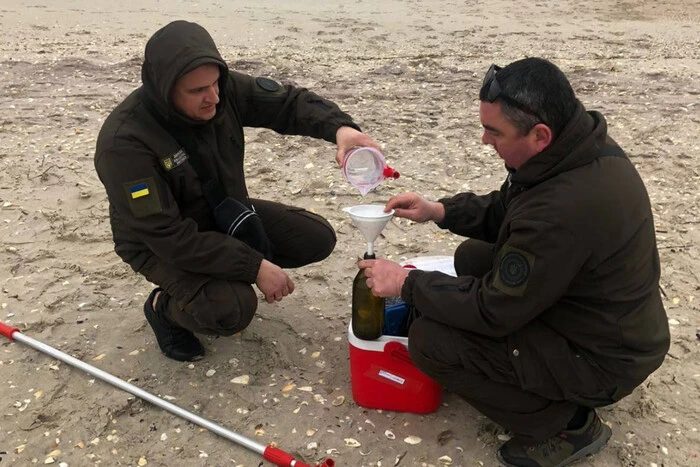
269,453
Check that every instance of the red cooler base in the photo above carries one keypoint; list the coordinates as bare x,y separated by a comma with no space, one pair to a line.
384,377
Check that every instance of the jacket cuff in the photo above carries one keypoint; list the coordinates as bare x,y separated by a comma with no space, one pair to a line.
253,266
447,221
407,288
334,127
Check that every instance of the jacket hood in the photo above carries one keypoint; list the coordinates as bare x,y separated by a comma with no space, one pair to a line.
171,52
586,133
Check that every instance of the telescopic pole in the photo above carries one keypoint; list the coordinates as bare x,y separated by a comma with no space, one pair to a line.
269,453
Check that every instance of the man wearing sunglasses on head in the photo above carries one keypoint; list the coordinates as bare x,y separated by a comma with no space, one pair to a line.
556,308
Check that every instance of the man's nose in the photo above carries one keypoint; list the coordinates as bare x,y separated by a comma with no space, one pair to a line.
213,95
485,138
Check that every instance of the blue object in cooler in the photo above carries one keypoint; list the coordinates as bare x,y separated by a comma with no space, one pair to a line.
395,312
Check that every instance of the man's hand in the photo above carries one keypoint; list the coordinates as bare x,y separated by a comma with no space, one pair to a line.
273,282
347,138
384,277
416,208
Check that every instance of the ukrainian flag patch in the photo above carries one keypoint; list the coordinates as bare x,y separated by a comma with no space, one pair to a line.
139,190
142,197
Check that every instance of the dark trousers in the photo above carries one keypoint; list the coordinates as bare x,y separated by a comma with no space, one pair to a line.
211,306
478,368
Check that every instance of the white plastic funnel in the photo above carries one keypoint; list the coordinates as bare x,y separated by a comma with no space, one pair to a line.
371,220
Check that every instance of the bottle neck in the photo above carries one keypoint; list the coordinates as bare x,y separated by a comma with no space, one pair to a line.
370,256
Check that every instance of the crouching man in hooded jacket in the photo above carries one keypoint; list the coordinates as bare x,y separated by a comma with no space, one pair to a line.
171,159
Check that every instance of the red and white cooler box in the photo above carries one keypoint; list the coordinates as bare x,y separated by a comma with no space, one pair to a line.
382,373
384,377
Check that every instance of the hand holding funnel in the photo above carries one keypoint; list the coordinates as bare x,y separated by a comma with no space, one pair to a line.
371,220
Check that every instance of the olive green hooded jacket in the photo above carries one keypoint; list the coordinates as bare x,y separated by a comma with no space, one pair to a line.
576,266
155,196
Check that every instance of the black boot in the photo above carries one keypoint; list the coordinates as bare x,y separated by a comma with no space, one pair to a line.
562,449
175,342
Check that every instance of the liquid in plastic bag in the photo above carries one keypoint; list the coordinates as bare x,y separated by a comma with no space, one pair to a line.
365,168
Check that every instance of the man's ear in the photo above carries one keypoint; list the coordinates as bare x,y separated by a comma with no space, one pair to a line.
543,136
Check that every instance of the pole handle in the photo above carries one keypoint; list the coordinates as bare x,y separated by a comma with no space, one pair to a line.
7,331
282,459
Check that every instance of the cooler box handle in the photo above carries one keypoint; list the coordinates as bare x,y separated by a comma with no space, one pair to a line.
398,351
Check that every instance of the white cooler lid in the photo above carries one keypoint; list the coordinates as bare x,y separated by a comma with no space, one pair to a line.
376,345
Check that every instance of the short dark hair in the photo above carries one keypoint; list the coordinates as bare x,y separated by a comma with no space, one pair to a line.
536,84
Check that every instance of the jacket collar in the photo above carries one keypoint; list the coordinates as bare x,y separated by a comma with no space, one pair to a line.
578,144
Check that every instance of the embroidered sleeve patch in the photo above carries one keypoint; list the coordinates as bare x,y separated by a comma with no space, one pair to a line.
170,162
143,198
267,84
513,272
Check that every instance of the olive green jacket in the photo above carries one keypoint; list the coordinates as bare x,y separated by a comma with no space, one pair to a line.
155,196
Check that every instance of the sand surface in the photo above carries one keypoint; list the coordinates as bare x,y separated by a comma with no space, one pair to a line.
409,72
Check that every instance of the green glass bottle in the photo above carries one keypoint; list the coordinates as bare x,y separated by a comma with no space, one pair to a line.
367,310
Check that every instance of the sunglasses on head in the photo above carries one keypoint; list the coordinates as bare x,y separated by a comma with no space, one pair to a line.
494,91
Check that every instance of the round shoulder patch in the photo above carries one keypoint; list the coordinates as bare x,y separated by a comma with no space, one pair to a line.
514,269
267,84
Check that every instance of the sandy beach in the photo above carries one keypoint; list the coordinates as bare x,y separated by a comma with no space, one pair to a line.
409,73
